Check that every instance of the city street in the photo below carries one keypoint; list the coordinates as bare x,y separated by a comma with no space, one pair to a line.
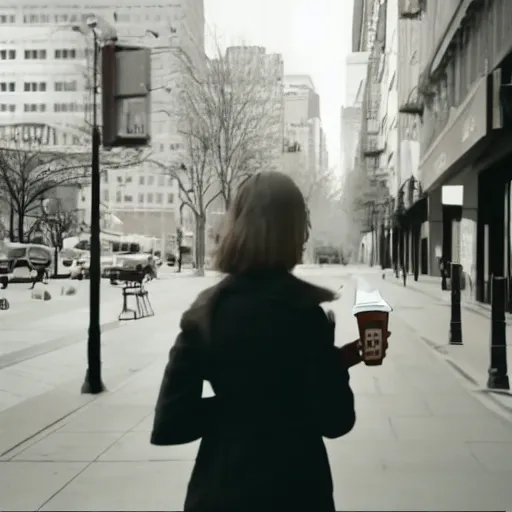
425,439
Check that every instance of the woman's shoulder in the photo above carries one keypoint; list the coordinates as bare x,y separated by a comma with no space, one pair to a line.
250,292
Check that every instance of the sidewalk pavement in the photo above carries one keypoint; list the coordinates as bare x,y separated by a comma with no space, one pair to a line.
57,341
426,309
423,440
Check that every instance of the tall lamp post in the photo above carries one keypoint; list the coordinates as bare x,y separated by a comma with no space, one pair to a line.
93,383
114,135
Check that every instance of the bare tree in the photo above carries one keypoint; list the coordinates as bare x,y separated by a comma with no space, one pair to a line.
240,93
192,168
54,224
360,194
28,171
322,192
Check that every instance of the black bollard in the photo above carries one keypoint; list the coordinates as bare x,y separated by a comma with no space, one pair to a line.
498,371
456,316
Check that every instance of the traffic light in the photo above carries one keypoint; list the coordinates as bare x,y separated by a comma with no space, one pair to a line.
126,95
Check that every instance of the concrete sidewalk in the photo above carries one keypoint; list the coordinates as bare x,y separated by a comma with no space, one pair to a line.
423,441
426,309
42,353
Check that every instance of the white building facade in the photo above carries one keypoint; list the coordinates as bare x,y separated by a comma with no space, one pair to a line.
46,73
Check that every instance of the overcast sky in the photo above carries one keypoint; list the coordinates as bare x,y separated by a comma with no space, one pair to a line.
314,37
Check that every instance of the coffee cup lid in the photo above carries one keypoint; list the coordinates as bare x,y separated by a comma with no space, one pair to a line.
370,300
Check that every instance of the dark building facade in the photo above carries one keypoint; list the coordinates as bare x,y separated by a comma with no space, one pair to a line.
465,136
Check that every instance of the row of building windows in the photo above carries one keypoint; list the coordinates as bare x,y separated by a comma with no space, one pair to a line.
145,180
40,86
34,107
42,107
149,198
35,18
43,18
40,54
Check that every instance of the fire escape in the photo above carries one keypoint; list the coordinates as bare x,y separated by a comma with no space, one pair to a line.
412,102
412,10
373,142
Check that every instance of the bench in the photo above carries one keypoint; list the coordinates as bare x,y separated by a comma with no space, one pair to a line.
133,287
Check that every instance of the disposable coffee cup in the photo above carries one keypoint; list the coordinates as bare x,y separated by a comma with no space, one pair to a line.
372,314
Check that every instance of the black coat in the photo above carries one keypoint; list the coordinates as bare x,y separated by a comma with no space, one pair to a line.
267,348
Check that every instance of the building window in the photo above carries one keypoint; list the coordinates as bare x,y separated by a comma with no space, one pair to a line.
35,54
5,107
65,54
67,107
141,198
106,195
7,86
7,19
151,180
128,199
159,198
36,18
7,54
34,86
118,196
141,180
70,86
161,181
150,198
31,107
129,179
170,198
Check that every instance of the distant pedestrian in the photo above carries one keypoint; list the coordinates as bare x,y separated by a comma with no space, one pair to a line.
262,340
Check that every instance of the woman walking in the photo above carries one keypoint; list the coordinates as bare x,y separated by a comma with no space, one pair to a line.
266,346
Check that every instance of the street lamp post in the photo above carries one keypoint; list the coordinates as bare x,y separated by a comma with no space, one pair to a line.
93,382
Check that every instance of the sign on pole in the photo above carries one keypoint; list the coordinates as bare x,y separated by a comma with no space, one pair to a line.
126,95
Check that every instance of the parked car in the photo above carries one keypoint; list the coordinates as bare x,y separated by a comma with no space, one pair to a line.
129,264
27,259
81,266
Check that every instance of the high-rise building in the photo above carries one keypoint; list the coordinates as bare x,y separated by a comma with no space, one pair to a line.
356,70
303,126
46,72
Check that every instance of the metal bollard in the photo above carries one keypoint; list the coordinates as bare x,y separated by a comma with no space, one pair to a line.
456,316
498,371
